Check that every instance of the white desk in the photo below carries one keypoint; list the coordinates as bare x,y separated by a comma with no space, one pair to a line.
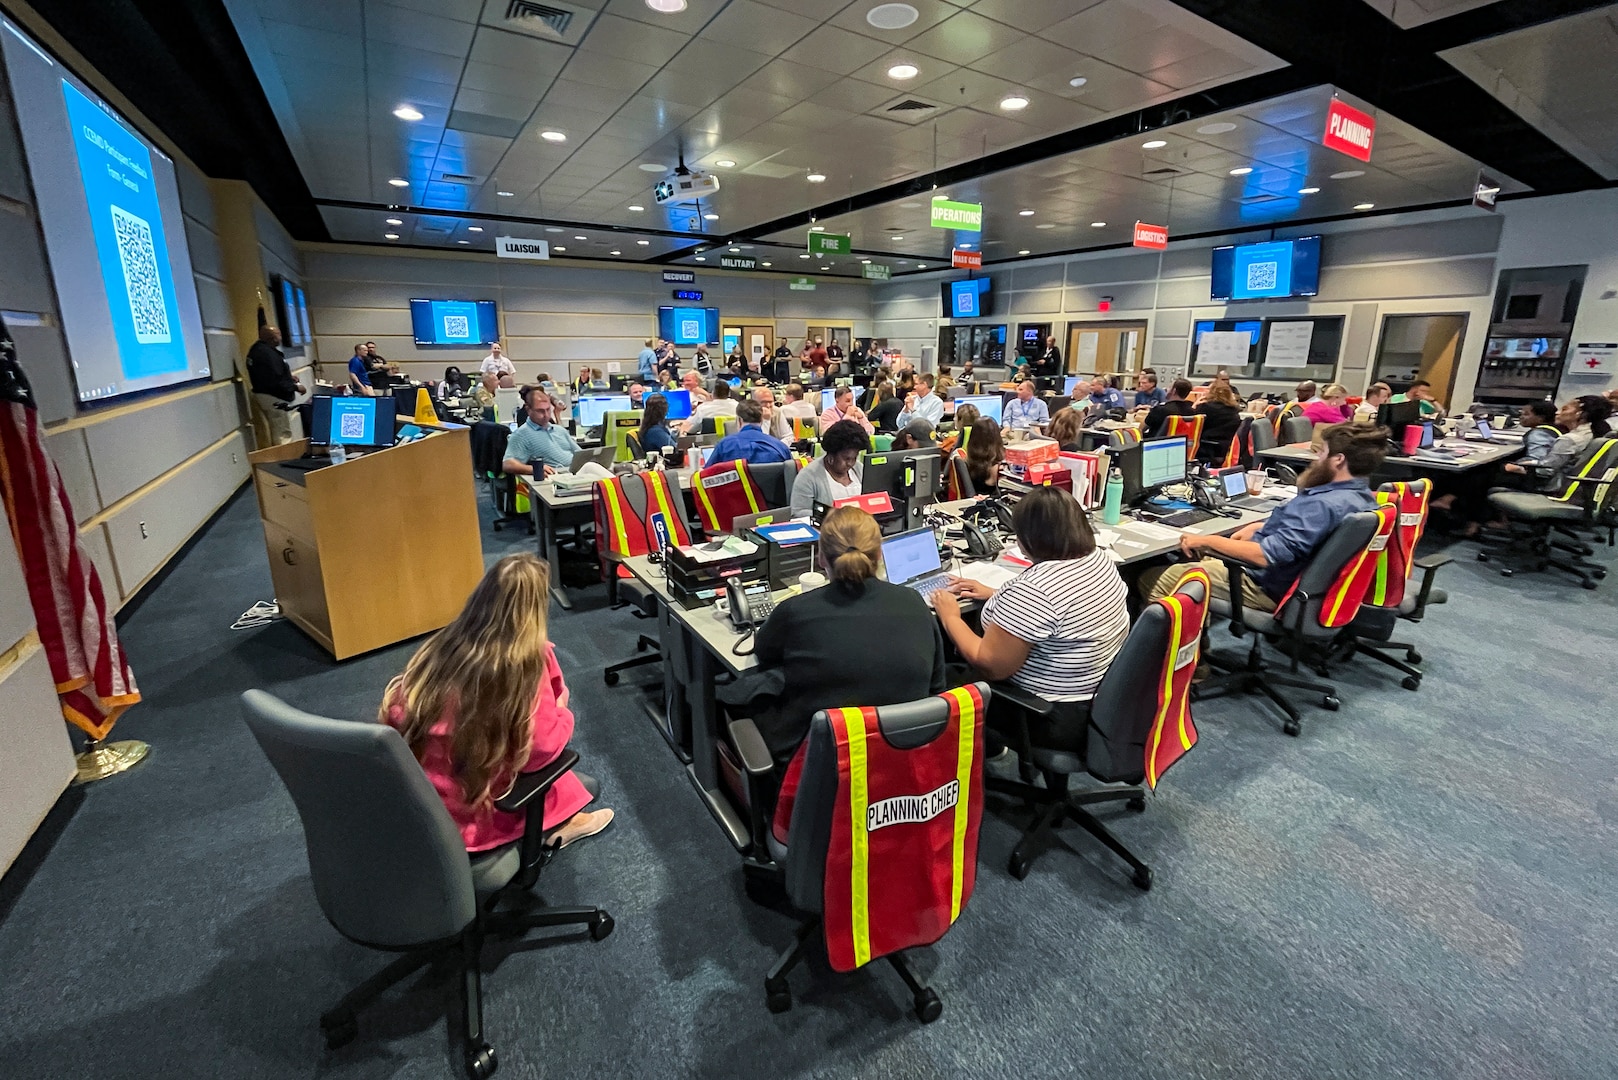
1480,454
552,511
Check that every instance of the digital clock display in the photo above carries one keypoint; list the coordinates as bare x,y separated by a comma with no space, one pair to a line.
687,294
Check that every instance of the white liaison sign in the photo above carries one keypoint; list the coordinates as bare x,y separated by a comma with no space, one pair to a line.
520,247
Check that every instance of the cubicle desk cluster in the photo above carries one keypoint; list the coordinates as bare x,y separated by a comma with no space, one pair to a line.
698,645
1479,454
380,549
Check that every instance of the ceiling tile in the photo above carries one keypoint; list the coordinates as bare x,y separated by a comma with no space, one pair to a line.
852,96
525,56
1031,16
629,39
401,26
754,26
930,13
619,73
1097,29
964,38
501,105
421,64
695,16
831,48
1210,65
307,43
796,82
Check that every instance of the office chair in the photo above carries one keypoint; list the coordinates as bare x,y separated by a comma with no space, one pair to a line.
774,480
1261,436
726,425
1541,526
488,455
1130,731
632,441
1188,426
873,878
1240,451
1297,429
1282,413
957,479
1124,438
624,509
1393,594
389,867
722,491
1325,598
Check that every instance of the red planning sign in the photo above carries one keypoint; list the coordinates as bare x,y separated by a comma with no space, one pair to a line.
1349,130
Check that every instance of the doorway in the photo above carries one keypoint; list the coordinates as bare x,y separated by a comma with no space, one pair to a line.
842,335
1104,348
756,339
1416,347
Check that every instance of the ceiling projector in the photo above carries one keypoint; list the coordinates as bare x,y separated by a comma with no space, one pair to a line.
683,185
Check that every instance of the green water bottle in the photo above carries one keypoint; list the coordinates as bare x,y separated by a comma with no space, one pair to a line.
1112,504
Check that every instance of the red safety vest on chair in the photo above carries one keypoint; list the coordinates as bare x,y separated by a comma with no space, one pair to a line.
1342,601
1172,732
725,491
1398,558
624,508
1240,451
1190,427
904,839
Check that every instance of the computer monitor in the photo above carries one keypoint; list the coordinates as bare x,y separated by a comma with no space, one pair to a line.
1069,383
352,421
404,400
828,398
1398,415
986,404
591,409
1150,465
679,402
898,472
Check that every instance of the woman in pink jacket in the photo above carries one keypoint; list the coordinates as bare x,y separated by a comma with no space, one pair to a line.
1331,407
484,700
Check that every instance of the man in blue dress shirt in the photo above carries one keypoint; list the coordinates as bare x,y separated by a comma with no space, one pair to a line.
923,404
539,440
1025,410
1104,395
1147,392
750,443
1331,489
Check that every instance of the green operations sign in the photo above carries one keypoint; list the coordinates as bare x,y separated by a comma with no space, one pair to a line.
957,215
826,243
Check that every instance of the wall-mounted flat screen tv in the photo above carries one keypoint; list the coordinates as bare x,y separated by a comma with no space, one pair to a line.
688,325
454,322
1276,269
969,299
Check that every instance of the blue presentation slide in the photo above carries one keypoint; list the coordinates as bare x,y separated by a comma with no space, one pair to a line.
455,322
116,170
1262,270
353,420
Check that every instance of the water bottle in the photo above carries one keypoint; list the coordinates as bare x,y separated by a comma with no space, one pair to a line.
1112,503
338,453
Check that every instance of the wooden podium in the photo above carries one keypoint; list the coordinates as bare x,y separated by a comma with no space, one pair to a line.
380,549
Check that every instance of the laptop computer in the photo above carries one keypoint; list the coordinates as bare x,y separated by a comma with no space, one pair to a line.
600,455
1233,482
911,559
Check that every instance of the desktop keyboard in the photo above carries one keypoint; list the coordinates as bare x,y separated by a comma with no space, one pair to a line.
1184,518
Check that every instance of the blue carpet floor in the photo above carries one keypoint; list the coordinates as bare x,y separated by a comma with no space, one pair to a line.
1423,885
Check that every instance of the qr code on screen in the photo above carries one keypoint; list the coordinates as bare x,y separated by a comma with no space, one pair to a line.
1261,276
139,259
455,327
352,426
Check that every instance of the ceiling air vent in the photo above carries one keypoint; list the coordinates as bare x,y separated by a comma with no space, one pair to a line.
1163,173
1260,199
457,178
541,20
910,105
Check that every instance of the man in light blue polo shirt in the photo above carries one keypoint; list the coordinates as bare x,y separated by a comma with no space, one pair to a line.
539,439
646,363
1025,411
1105,395
922,405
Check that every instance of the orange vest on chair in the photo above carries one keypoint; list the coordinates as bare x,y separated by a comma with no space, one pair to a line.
904,838
1342,601
725,491
1395,561
1173,733
1190,427
624,508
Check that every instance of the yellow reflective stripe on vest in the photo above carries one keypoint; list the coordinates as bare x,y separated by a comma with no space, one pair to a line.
710,520
859,853
659,485
610,494
1176,616
963,777
1595,458
748,487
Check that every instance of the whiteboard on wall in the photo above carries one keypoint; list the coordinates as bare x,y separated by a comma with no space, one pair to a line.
1223,349
1088,342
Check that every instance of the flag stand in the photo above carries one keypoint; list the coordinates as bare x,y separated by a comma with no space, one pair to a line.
101,760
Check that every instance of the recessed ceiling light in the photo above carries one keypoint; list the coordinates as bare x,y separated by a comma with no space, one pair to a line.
816,178
825,268
581,238
895,238
649,166
399,181
892,16
903,263
553,136
463,241
394,221
474,228
865,260
506,194
616,253
1013,102
710,217
938,198
725,163
1364,205
635,208
1347,174
1218,128
1077,81
1025,213
1243,171
903,71
817,228
803,256
1024,251
552,228
666,7
919,266
407,112
1098,224
1045,225
390,236
702,258
734,250
644,243
1308,191
1154,144
558,247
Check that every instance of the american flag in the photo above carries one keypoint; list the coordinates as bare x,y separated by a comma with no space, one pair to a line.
76,627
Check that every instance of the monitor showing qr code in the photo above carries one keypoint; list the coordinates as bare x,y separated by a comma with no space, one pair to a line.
1261,277
457,327
351,426
145,288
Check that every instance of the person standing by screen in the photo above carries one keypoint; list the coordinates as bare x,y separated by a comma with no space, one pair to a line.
498,365
274,386
359,373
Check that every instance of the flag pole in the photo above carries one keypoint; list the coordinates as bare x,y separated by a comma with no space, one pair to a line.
100,760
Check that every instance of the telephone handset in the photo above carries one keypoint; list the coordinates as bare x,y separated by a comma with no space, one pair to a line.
749,604
981,543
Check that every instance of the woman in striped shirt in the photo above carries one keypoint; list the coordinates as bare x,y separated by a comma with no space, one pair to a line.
1054,629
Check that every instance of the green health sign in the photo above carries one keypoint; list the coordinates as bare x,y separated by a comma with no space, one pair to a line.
876,271
957,215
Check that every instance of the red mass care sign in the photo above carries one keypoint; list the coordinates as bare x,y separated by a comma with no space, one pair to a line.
1349,130
1151,236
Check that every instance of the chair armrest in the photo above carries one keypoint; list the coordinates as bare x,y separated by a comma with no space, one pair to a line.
1023,705
529,784
1022,699
1428,565
749,744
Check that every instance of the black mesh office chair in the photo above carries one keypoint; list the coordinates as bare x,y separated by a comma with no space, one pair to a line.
774,480
1298,625
388,865
1545,529
1105,737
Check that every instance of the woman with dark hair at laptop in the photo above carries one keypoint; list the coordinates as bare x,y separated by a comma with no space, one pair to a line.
654,433
1055,628
455,384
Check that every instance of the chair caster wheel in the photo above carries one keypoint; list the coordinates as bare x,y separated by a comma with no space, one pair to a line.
777,995
1292,727
1599,575
1588,584
1142,879
1483,556
339,1029
610,678
1413,656
1137,804
481,1062
1017,867
928,1007
640,646
1331,703
1411,682
1507,572
601,926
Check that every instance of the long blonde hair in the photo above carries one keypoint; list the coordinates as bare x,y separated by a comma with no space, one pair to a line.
486,667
